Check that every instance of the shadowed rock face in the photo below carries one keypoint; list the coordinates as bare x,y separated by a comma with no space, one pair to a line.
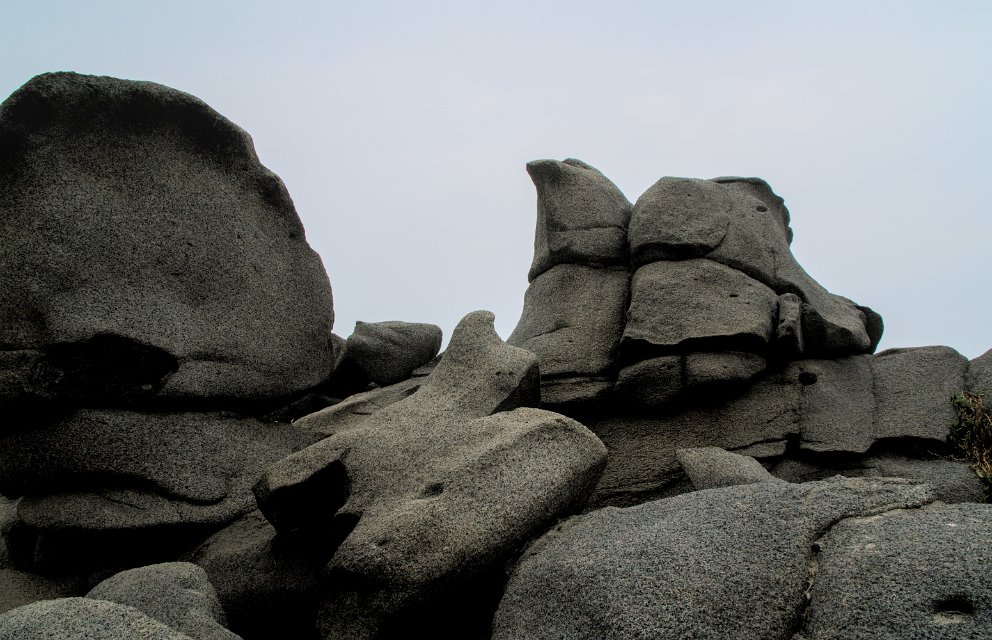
117,470
135,212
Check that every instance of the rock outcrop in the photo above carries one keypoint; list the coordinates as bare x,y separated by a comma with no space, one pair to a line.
730,562
658,450
146,252
440,487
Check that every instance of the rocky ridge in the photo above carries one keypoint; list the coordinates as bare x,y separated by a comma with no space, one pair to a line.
686,436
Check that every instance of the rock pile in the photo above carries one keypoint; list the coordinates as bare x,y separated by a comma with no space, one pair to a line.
685,436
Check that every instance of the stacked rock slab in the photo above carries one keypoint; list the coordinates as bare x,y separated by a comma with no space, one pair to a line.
422,499
834,416
715,294
574,307
156,293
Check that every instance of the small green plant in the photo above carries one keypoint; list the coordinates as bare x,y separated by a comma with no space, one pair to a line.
973,435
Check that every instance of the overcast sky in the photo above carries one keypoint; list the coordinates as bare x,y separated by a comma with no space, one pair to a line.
402,128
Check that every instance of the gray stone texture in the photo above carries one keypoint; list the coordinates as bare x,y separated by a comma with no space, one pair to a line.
582,217
265,582
111,469
919,573
698,304
707,369
442,485
837,405
651,383
742,224
913,391
177,594
952,481
642,463
678,218
135,214
719,563
353,410
757,242
572,319
978,379
82,619
789,329
713,467
388,352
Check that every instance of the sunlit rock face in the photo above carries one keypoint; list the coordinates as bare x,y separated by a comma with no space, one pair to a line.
702,293
156,291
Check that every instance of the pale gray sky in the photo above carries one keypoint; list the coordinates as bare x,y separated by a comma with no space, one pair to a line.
402,128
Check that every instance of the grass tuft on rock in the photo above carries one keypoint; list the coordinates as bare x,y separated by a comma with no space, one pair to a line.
973,435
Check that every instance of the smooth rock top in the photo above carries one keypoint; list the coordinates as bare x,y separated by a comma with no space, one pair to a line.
83,619
388,352
177,594
136,215
713,467
582,217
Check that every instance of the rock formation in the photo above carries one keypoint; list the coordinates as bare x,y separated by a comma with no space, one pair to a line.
684,437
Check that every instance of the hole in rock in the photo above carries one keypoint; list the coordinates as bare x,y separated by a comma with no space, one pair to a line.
953,610
762,208
807,378
432,490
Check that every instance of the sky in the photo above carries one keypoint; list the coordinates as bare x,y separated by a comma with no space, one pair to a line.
401,129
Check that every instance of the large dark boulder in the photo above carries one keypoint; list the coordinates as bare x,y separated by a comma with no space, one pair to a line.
719,563
145,251
920,573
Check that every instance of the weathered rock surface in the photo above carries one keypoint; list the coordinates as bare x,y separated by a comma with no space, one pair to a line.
679,218
267,583
582,217
355,409
731,562
177,594
572,320
838,405
83,618
742,224
979,376
713,467
905,574
389,351
700,305
913,391
951,481
642,463
136,216
441,486
108,469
